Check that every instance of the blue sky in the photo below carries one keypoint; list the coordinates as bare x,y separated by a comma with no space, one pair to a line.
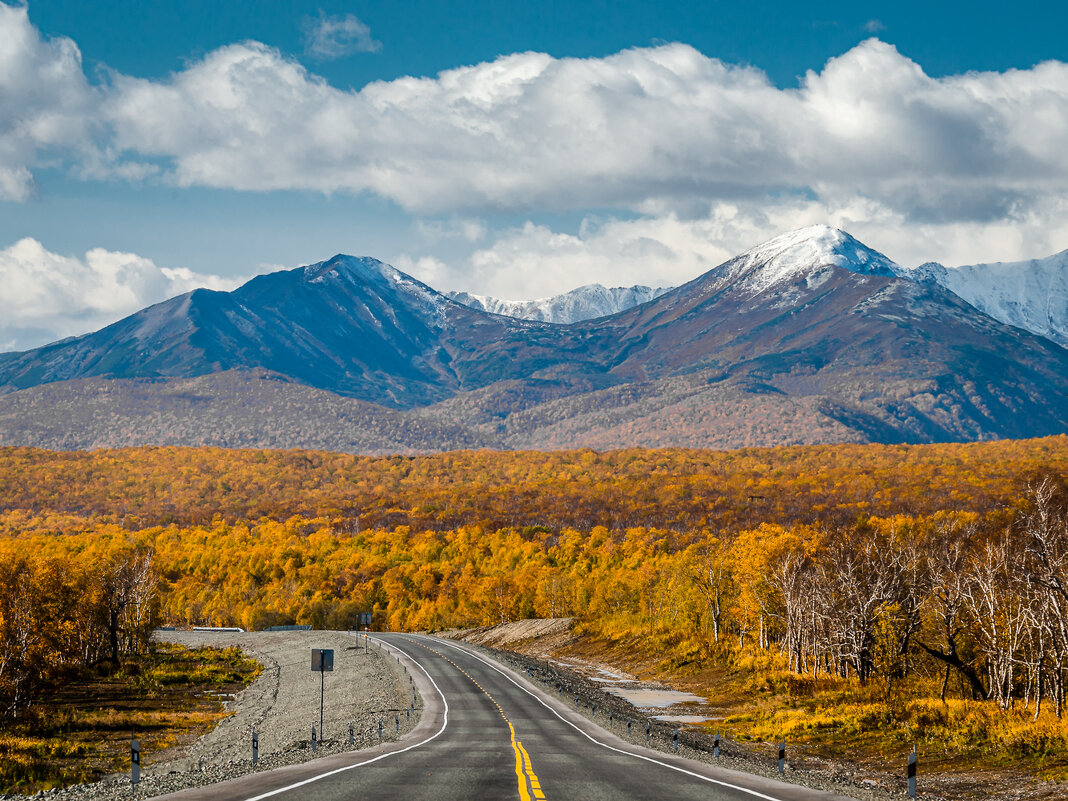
519,149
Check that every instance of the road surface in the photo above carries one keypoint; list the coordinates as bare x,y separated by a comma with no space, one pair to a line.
487,733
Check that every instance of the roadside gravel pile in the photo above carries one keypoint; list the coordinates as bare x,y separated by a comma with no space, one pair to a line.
364,688
613,713
543,634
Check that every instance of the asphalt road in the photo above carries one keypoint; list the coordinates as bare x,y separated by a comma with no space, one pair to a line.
487,733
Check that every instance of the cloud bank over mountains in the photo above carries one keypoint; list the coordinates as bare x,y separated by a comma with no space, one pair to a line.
663,127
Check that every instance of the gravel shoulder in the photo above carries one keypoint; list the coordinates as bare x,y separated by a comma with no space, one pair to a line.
582,685
367,686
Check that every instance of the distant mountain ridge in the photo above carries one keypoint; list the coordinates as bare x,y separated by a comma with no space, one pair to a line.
584,303
1032,295
810,337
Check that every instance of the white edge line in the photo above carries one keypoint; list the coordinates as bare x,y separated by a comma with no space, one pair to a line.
589,737
444,723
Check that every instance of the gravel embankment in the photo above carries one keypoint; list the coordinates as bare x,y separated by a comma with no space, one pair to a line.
282,705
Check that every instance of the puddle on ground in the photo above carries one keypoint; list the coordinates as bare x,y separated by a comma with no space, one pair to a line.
645,698
683,718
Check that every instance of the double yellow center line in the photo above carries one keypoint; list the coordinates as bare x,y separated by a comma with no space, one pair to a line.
529,786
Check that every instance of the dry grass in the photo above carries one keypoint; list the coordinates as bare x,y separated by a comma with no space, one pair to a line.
81,731
760,701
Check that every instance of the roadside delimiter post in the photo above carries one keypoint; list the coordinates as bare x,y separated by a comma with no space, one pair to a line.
135,761
675,740
715,746
255,747
782,757
352,735
912,773
314,741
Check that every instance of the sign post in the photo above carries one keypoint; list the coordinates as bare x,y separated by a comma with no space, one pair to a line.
322,660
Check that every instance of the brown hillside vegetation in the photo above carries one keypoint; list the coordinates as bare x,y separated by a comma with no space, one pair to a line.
896,593
683,490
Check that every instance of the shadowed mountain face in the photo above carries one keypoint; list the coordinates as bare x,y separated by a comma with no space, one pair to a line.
356,327
811,337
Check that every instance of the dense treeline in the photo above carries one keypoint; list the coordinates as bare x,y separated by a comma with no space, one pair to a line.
60,612
677,489
920,569
977,599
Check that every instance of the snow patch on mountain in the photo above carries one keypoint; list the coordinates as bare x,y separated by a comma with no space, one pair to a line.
1032,295
805,253
585,303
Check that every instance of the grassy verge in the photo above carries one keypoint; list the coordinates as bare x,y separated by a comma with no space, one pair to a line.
756,700
80,731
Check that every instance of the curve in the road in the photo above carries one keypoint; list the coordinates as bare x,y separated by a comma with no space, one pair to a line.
336,771
592,739
489,737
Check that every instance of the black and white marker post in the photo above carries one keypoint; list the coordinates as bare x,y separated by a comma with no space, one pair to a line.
782,757
912,773
135,761
322,661
255,747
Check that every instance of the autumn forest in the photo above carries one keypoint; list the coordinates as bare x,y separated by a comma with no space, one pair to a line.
938,571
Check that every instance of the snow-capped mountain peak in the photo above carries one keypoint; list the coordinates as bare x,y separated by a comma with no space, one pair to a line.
804,251
367,272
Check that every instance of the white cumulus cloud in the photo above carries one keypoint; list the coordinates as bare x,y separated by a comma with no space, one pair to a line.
664,124
47,107
48,296
667,132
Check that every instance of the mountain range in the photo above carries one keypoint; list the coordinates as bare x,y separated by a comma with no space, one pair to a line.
812,337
